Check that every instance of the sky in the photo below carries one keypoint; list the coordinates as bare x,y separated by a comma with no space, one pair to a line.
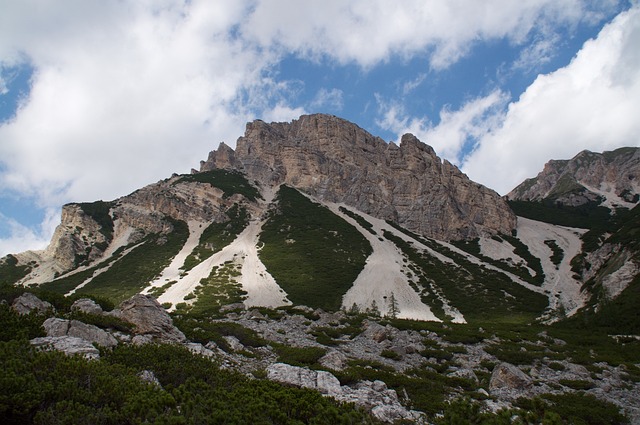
101,97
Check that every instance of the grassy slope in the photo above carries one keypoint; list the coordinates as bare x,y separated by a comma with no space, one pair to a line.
479,293
314,255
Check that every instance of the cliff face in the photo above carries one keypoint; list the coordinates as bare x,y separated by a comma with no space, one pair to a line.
337,161
613,176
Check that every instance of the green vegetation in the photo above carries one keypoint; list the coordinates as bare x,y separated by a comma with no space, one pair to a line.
359,219
470,286
203,330
230,182
557,252
218,235
520,249
49,387
587,216
571,408
10,271
134,271
313,254
299,356
218,289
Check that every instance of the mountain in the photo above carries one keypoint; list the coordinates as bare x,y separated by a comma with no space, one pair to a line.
334,160
609,178
315,245
599,192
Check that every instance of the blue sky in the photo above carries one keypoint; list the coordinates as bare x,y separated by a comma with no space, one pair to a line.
98,98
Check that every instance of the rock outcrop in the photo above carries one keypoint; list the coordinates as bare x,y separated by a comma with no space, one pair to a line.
87,306
150,319
56,327
507,378
374,396
589,176
70,345
27,302
337,161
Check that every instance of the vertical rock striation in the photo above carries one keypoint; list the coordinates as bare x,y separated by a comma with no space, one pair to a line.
336,161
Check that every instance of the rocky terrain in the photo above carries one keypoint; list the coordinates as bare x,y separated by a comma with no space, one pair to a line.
608,178
359,347
337,161
319,256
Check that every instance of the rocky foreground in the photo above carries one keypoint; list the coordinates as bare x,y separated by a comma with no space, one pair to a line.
342,341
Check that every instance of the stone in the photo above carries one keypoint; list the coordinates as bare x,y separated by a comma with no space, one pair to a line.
87,306
506,376
27,302
322,381
375,332
334,360
150,318
199,349
139,340
62,327
149,377
69,345
233,343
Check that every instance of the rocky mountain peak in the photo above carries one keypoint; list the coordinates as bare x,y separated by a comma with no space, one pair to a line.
335,160
611,177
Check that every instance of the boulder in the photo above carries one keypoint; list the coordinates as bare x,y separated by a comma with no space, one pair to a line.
334,360
86,305
69,345
150,318
321,381
233,343
61,327
27,302
508,377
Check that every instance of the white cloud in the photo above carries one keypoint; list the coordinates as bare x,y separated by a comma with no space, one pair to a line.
367,32
122,96
325,98
455,132
22,238
592,103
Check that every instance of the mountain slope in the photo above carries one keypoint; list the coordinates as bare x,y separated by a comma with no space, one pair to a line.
600,193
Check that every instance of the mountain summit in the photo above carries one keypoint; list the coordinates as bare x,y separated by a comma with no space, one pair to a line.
334,160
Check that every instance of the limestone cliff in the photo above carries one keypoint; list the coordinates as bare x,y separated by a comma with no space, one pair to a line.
613,177
335,160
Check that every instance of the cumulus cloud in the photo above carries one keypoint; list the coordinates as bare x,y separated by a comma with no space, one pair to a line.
592,103
326,98
456,131
21,238
367,32
121,96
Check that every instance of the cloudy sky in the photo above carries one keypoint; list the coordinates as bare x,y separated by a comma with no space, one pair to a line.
100,97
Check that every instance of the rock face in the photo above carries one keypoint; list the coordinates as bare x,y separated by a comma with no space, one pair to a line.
86,305
508,378
27,302
70,345
150,318
337,161
373,396
586,177
56,327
